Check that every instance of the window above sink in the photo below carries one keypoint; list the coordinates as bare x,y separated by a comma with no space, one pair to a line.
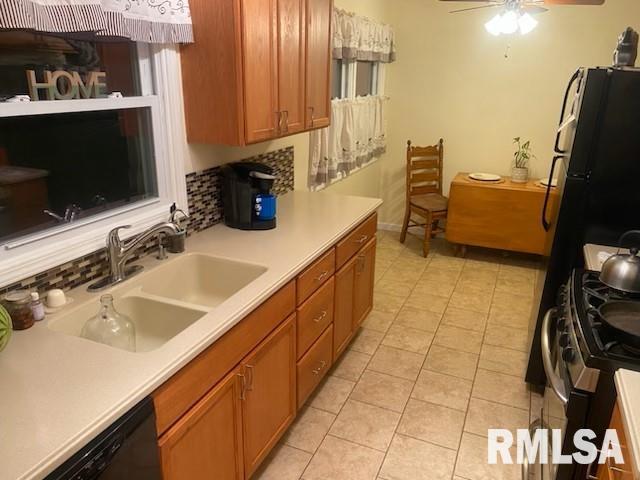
73,169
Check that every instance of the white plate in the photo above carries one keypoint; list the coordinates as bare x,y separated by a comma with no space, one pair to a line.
485,177
545,182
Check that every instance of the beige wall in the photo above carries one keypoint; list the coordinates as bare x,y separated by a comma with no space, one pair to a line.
365,182
452,80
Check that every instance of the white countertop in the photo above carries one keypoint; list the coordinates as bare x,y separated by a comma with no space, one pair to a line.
628,386
60,391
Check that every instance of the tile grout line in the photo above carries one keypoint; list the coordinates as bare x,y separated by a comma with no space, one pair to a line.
466,415
395,432
397,255
349,398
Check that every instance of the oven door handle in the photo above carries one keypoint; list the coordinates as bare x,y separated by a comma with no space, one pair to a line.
556,383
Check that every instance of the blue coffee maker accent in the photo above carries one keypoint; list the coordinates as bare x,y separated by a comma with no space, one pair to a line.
247,199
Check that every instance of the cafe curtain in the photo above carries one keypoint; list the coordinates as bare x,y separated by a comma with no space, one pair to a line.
152,21
360,38
356,136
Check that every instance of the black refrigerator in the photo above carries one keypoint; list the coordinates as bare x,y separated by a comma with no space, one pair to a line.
597,164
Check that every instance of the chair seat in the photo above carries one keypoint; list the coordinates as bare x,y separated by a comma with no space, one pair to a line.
432,202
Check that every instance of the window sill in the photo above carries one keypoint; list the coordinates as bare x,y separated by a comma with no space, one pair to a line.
44,107
28,256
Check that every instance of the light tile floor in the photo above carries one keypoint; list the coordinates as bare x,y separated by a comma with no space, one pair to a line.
438,362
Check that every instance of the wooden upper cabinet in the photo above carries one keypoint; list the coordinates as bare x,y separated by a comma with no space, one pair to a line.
260,63
212,74
258,70
206,443
291,65
269,404
318,100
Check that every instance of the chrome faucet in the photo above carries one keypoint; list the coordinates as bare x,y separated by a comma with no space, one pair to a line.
119,251
71,214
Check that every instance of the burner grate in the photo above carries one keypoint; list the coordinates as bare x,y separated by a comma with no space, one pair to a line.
595,294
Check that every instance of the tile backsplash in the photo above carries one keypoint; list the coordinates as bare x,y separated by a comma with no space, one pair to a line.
205,210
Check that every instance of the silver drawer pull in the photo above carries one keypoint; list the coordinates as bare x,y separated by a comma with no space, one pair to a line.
322,276
362,239
320,368
321,317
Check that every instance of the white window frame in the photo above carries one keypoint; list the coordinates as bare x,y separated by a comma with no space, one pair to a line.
161,92
348,79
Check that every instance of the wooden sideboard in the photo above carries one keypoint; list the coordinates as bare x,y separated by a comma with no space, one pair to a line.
503,215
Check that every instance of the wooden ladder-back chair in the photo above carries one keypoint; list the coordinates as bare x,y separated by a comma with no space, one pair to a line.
424,191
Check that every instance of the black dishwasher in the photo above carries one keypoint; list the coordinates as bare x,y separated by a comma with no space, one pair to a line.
127,450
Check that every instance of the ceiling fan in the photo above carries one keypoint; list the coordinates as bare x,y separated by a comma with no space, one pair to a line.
516,15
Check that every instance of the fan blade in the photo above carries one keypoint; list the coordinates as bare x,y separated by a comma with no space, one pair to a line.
574,2
475,8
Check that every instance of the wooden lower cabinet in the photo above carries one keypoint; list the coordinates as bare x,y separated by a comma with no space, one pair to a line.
364,280
269,399
353,298
206,443
343,306
222,414
611,470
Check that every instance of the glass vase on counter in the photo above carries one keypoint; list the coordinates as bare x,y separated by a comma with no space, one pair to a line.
110,327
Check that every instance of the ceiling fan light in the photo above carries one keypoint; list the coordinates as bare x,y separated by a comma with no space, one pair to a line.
494,26
509,22
527,23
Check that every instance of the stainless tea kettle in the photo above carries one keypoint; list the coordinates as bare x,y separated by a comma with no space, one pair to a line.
622,271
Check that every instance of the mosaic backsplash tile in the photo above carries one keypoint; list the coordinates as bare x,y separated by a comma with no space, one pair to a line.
204,188
205,209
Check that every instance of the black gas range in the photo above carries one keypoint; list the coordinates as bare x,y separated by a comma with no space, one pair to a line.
580,356
598,345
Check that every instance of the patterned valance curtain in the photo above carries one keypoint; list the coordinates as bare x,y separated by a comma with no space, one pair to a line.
360,38
153,21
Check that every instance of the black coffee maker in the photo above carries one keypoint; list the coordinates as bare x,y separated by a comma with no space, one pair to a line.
247,199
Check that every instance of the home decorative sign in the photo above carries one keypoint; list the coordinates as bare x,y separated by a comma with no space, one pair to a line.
64,85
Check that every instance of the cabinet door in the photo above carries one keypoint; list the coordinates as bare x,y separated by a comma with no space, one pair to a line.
291,65
206,443
318,112
343,320
269,404
260,68
364,280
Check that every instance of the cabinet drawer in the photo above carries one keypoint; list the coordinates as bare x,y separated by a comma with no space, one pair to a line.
314,316
314,365
316,275
354,241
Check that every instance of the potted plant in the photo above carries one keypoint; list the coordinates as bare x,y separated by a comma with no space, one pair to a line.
520,170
